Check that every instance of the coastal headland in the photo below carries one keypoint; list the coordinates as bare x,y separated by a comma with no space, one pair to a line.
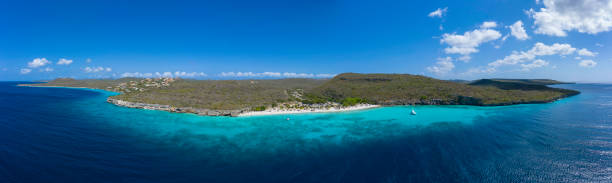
344,92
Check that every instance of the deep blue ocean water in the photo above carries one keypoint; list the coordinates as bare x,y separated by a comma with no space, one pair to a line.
73,135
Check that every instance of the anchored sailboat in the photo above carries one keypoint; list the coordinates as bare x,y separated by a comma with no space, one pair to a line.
412,112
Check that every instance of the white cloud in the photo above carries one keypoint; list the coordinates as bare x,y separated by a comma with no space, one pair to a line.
189,74
136,75
518,31
585,52
587,63
488,25
585,16
468,42
63,61
505,37
535,64
47,69
298,75
38,62
465,58
599,45
438,12
88,60
25,71
539,49
165,74
325,75
238,74
480,70
442,67
275,74
97,69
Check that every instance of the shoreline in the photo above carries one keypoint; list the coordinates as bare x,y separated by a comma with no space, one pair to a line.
235,113
301,111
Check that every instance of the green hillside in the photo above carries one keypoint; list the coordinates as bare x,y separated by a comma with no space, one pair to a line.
402,89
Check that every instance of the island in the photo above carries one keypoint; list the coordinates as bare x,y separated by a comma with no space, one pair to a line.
347,91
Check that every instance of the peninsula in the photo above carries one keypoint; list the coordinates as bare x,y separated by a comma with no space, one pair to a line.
348,91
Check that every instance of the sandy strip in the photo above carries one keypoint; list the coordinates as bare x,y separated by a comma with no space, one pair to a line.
298,111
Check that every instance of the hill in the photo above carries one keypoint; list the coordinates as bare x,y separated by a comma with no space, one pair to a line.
402,89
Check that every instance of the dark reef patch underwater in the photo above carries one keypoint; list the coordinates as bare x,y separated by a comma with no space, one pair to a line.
73,135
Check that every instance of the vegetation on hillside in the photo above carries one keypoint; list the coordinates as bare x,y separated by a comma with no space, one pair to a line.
345,89
223,94
402,89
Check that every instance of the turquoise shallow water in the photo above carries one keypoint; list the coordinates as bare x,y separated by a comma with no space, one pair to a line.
73,135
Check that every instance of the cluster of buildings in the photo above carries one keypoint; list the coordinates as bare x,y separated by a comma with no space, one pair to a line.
142,85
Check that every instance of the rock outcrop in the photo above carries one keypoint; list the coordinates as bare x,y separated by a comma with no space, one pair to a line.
202,112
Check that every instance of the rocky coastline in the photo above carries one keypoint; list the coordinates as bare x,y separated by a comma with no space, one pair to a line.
465,100
160,107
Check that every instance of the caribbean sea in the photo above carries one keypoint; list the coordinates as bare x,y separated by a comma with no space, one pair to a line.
73,135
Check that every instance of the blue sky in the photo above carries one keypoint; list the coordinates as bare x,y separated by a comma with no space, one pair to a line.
562,39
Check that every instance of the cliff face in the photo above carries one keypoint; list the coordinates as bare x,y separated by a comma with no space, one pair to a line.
202,112
464,100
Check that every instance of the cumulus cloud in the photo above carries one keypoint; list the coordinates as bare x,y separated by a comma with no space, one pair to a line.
518,31
535,64
528,59
585,52
137,75
25,71
275,74
97,69
585,16
587,63
38,62
467,43
442,67
164,74
189,74
479,70
440,12
488,25
63,61
539,49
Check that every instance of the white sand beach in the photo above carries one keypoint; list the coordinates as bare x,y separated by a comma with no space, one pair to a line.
277,111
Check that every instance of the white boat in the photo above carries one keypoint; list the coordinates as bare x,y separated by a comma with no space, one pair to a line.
412,112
